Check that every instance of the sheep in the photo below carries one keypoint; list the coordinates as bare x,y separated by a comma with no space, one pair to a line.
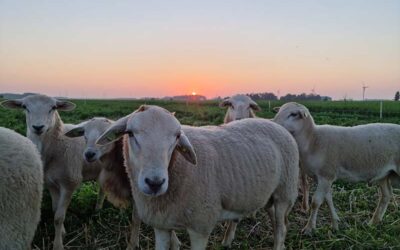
193,177
64,168
113,178
239,107
368,153
21,186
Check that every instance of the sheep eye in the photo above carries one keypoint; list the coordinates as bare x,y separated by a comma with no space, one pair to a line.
52,109
130,134
24,107
293,115
178,136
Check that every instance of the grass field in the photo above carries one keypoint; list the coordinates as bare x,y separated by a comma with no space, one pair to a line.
108,228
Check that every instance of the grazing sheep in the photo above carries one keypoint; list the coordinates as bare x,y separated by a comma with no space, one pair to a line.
113,178
368,153
239,107
64,168
241,167
21,186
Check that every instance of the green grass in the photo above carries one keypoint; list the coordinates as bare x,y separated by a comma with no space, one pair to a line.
108,228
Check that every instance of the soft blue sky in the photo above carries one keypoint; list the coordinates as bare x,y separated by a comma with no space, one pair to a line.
158,48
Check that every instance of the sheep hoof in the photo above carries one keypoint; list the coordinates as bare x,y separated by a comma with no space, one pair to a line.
307,230
374,221
226,243
58,246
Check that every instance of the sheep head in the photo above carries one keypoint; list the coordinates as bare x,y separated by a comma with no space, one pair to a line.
153,134
91,130
40,111
294,117
239,107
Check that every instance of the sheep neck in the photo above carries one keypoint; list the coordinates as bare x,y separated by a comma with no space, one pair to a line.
306,137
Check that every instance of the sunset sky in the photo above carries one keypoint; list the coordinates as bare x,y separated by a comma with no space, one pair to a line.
160,48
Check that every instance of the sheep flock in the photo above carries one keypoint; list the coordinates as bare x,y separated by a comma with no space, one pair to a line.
186,181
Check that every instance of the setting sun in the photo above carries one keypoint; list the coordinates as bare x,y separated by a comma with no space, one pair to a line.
193,93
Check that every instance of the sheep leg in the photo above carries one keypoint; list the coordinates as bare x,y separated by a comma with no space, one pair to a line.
334,215
100,199
271,213
55,196
175,243
386,193
318,197
281,212
304,189
134,231
229,233
59,217
197,241
163,239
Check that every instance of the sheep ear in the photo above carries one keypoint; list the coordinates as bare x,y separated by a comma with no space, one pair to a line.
186,149
142,108
113,133
65,105
12,104
225,103
254,106
76,132
275,109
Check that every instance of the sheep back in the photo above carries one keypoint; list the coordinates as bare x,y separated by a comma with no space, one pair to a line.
21,186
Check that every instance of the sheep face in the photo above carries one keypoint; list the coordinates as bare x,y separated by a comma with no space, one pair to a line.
91,130
40,111
294,117
239,107
153,135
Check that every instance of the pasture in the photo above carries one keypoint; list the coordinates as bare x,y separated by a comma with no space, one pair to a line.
108,228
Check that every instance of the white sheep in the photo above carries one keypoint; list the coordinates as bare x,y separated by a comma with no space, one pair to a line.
113,178
368,153
239,107
64,168
241,167
21,186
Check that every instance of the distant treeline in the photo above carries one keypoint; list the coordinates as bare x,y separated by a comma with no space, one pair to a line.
289,97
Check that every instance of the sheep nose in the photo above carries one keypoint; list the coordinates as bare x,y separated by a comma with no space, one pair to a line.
38,129
154,184
89,155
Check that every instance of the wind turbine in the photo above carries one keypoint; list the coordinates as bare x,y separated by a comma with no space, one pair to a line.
364,88
313,90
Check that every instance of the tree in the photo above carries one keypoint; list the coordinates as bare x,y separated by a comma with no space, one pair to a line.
397,96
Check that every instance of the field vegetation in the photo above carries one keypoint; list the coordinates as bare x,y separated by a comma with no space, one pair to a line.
108,228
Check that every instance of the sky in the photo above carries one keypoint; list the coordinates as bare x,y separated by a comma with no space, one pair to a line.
108,49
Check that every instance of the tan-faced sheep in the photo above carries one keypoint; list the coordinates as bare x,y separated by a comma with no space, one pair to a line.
239,107
368,153
241,167
64,168
113,178
21,185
